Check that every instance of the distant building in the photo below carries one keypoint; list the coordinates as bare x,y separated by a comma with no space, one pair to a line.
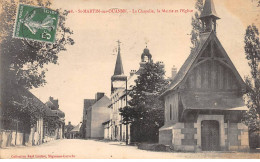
87,103
204,103
67,130
72,132
54,131
95,113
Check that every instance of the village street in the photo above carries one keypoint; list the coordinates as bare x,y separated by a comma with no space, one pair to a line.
78,148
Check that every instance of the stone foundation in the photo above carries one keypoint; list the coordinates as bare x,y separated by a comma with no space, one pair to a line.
237,137
165,137
187,136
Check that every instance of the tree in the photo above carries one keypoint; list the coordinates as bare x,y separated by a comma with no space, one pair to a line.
145,110
23,61
252,51
196,24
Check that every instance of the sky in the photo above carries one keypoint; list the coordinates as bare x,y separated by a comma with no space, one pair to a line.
87,66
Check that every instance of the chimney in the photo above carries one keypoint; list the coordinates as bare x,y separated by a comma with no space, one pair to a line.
174,72
99,95
132,72
69,123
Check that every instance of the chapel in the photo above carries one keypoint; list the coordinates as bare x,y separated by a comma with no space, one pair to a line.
204,102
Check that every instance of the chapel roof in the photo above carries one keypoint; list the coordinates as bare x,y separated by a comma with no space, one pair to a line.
205,38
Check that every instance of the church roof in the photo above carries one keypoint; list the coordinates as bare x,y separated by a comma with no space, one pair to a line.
205,38
119,65
209,10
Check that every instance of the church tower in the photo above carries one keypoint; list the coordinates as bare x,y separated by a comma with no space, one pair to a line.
146,57
118,79
209,17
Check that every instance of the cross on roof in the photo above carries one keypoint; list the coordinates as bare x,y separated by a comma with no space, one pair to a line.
146,42
118,43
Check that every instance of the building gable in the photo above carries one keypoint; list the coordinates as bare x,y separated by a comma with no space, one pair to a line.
213,70
103,102
209,48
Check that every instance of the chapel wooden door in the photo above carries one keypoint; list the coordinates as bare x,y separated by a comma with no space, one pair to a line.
210,140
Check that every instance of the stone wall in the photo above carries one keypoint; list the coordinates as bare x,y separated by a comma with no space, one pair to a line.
165,137
10,138
189,131
187,136
237,137
183,137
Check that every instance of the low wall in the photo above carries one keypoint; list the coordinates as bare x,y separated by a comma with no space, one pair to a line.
11,138
165,137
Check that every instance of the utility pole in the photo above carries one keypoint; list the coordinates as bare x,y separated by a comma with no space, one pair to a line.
126,140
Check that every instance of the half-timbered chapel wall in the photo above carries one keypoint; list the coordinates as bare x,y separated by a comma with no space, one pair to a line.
211,73
171,108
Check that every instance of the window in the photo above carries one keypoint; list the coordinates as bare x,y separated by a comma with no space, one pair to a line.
170,112
146,59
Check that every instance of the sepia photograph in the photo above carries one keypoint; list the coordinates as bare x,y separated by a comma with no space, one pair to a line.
121,79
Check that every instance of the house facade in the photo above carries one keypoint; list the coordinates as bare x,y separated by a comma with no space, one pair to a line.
204,103
73,133
23,118
87,104
53,131
96,114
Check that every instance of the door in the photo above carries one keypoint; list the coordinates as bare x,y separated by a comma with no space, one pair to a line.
210,135
120,132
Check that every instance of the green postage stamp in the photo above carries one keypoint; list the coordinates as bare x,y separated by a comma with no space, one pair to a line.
36,23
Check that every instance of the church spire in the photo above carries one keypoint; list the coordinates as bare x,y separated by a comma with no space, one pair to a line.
118,78
209,16
119,65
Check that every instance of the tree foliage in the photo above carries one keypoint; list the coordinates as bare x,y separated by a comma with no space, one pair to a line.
145,111
23,61
196,24
252,51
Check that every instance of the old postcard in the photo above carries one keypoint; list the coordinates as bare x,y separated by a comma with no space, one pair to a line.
140,79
